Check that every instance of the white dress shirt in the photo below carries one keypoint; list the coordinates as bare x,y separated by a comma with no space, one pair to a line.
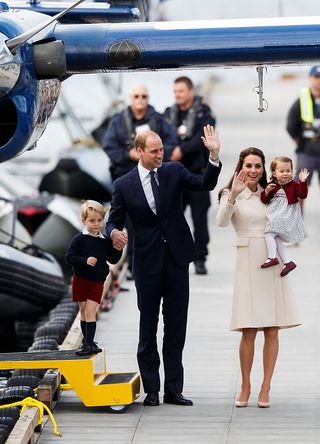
145,178
85,231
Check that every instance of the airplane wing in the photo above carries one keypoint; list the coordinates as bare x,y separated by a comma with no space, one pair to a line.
37,53
184,45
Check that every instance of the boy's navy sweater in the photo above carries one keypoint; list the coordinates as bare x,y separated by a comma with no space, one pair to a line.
83,246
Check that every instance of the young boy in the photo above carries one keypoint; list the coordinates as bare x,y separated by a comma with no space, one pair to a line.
88,254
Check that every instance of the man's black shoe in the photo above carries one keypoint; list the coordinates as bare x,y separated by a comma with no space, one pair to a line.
152,399
96,348
176,398
200,267
85,350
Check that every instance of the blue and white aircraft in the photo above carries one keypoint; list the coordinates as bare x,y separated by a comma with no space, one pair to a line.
41,44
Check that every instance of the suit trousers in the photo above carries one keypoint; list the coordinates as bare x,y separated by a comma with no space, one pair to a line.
171,286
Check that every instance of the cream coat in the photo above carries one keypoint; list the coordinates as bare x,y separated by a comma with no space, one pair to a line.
261,297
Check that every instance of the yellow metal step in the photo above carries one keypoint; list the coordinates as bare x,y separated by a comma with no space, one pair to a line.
87,375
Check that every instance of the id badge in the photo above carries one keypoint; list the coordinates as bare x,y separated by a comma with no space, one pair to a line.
144,127
182,129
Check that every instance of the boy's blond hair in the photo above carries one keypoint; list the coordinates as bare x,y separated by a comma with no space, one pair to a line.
92,205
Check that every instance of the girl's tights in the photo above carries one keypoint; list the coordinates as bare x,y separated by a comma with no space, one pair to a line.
274,245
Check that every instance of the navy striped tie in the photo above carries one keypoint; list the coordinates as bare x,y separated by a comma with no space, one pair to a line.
155,190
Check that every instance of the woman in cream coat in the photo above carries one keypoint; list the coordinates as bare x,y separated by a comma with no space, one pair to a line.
262,299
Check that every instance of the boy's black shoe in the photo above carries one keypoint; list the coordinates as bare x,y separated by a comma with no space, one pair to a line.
96,348
85,350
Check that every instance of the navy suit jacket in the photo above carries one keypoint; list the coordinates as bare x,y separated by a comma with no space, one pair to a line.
150,229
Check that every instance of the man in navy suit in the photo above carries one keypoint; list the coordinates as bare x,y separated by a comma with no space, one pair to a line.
163,249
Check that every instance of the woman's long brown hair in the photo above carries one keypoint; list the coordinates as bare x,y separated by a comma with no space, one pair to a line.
244,153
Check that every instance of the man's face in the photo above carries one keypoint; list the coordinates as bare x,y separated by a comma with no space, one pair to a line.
139,99
315,85
152,156
183,95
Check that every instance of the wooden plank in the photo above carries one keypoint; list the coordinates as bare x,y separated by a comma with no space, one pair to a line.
73,339
49,388
23,431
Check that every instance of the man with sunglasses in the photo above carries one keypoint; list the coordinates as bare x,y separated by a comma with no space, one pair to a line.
118,140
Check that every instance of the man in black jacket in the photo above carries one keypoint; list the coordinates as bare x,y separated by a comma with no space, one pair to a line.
189,115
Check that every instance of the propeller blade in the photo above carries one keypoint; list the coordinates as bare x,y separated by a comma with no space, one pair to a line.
14,43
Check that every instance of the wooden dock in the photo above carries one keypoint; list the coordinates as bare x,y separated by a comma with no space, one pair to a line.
211,364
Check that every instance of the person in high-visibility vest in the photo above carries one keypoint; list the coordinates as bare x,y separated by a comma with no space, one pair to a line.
303,125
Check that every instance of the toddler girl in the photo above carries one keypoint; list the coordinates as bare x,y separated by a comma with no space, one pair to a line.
284,223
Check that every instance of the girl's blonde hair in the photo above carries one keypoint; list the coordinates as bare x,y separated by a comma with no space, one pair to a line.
278,159
91,205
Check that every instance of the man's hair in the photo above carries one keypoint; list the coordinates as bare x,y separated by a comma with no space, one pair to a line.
141,139
91,205
186,80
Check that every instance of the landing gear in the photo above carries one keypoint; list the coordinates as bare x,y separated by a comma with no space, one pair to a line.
263,104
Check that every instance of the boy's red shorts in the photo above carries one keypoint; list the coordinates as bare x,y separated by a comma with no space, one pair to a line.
82,289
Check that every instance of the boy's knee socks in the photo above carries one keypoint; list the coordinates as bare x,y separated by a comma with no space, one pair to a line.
83,326
90,332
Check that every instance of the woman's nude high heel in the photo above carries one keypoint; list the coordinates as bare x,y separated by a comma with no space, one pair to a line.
241,403
263,405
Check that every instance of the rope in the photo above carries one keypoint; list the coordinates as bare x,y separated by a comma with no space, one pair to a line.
14,237
31,402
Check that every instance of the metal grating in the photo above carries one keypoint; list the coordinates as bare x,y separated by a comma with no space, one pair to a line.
118,378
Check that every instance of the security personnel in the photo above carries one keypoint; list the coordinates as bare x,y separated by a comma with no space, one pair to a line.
303,125
189,115
118,140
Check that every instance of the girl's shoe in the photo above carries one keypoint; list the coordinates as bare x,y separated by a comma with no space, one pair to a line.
289,266
270,262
